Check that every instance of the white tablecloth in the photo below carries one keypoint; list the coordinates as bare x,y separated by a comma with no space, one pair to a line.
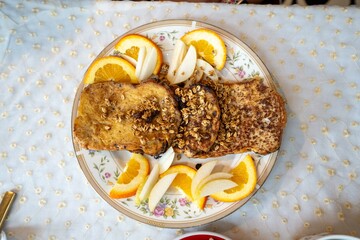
313,53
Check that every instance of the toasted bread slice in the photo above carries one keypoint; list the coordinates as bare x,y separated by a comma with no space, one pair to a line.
200,123
252,118
140,118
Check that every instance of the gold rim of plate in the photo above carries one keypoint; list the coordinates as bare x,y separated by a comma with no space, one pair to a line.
168,223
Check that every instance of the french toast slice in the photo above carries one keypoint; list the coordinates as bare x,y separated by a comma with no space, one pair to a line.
253,117
200,123
141,118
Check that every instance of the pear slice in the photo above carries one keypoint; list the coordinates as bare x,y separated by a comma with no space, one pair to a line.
217,185
149,64
198,74
138,191
159,190
200,174
166,160
150,182
187,66
129,59
140,61
176,59
207,69
211,177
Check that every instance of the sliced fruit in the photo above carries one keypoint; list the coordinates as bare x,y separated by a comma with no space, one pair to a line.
149,64
130,45
140,61
245,176
110,68
183,181
166,160
207,69
138,191
135,172
159,190
204,171
198,74
209,46
211,177
187,66
149,183
177,57
215,186
129,59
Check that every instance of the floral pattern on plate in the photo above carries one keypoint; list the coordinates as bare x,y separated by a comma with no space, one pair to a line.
102,168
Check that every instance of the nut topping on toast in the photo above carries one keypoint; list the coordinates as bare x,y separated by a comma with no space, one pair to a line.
213,119
252,118
200,113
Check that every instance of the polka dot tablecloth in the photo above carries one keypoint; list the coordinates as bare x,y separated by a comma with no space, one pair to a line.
312,52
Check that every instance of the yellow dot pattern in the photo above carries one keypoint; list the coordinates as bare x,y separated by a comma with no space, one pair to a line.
312,53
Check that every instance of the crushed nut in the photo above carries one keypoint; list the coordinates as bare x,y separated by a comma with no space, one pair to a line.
197,119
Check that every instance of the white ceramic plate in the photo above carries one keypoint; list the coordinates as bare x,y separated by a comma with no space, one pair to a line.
102,168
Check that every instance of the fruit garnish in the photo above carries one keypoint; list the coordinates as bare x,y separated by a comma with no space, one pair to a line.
182,182
211,177
177,57
110,68
207,69
131,44
138,191
215,186
198,73
245,176
159,167
149,183
135,172
128,58
204,171
209,46
187,66
148,65
159,190
166,160
140,60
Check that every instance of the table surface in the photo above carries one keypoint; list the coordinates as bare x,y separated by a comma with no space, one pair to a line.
312,52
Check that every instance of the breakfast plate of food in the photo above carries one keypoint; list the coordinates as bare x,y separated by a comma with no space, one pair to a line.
177,123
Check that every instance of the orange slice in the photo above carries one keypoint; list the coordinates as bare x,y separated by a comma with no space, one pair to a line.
135,173
244,174
110,68
182,182
130,45
209,46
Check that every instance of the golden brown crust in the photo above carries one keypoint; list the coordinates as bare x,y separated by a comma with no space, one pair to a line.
200,123
252,119
216,118
140,118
